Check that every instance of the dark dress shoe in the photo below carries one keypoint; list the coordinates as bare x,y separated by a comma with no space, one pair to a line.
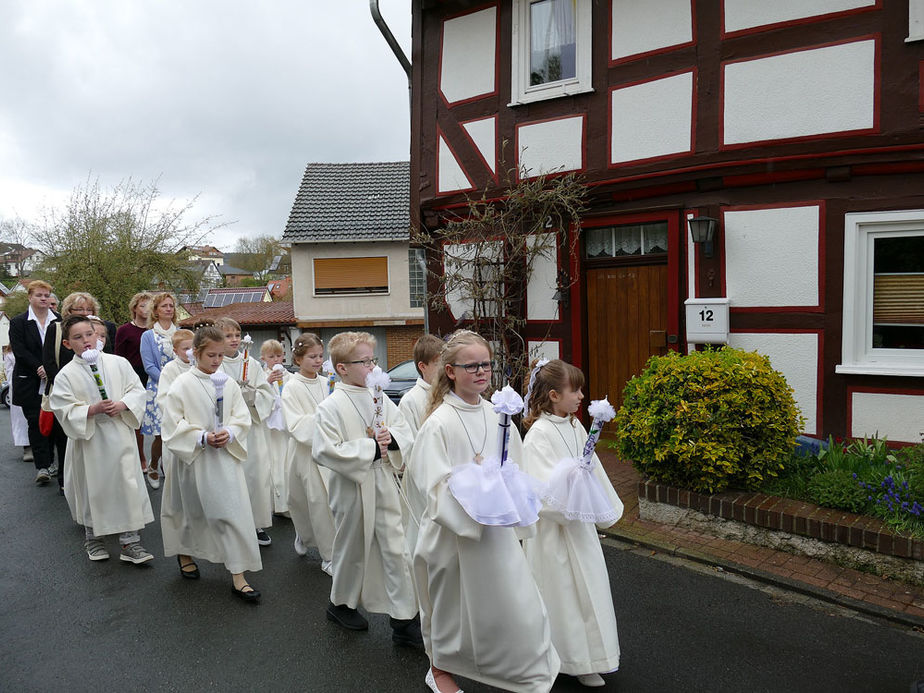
185,572
349,618
250,595
407,632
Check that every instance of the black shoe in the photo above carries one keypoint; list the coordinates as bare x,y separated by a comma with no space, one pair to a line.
407,632
250,595
263,539
344,616
189,574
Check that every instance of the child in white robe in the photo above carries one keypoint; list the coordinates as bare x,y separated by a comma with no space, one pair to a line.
565,555
214,521
259,397
278,440
103,482
482,616
369,556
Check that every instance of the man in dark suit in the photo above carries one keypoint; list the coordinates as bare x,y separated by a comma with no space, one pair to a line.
27,336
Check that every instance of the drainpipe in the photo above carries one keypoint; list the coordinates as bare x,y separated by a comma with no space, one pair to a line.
406,66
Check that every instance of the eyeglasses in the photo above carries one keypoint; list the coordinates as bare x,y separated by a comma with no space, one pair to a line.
474,367
367,362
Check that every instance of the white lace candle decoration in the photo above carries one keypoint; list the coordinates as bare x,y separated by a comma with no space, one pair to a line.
191,357
279,368
377,381
219,378
601,411
327,368
246,342
507,402
91,356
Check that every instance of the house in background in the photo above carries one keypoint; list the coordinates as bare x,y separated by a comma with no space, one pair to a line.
352,267
208,253
233,276
795,126
262,320
18,260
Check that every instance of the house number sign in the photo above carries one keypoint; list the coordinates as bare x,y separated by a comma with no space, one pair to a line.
707,320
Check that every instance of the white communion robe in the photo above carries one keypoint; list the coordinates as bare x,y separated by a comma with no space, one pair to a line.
259,397
481,613
370,560
567,560
414,405
308,502
280,446
103,481
168,374
209,516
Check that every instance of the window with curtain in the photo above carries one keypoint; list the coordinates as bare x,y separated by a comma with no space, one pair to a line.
649,238
350,275
552,41
898,293
416,276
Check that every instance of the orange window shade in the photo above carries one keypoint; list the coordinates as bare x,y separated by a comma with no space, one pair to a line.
898,299
350,274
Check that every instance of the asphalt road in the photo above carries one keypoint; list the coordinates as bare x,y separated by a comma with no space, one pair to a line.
67,624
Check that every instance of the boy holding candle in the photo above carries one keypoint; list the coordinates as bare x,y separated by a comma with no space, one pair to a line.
369,562
99,402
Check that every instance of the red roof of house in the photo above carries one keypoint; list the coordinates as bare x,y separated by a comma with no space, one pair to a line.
248,314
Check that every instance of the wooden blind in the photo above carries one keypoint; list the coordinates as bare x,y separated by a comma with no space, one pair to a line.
898,299
351,275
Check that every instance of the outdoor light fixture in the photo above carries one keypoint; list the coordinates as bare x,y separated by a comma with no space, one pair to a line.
702,229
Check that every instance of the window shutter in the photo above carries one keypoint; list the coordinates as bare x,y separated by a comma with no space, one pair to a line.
351,275
898,299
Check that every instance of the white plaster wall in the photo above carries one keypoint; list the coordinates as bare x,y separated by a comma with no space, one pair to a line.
795,355
451,175
542,282
640,27
483,135
543,350
900,418
652,119
552,146
395,305
468,63
771,256
808,92
744,14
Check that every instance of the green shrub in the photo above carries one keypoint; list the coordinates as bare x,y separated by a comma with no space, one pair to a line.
837,488
708,420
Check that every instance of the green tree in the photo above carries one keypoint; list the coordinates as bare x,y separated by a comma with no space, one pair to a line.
258,253
114,243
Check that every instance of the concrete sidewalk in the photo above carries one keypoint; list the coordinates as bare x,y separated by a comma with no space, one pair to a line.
890,599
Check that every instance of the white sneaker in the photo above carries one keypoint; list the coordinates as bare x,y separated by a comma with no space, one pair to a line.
592,680
42,476
53,469
96,550
135,553
328,567
300,548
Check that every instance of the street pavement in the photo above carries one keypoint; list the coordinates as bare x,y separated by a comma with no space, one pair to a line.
68,624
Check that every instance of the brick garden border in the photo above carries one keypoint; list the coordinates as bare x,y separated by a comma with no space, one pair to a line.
794,517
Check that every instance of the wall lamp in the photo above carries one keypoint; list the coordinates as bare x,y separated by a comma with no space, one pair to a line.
702,230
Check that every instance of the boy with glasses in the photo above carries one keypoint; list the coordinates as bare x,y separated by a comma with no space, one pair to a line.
370,565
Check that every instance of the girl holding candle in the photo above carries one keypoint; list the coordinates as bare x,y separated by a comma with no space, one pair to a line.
482,616
308,502
205,426
565,555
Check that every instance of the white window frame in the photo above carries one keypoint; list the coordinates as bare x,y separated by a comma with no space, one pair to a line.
858,357
520,90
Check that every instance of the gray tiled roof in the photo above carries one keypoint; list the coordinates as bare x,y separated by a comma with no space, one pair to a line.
351,202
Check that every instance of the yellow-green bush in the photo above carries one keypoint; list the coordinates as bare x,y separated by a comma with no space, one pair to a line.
708,420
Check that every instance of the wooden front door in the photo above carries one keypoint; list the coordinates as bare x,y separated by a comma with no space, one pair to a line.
627,322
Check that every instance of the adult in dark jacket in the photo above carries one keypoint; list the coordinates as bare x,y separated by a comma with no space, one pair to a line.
27,336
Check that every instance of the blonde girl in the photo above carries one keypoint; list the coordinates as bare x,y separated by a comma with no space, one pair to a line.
210,517
565,555
278,439
309,505
156,352
481,614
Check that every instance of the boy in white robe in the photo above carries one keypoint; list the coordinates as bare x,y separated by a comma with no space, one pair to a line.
565,555
369,556
259,396
103,482
278,440
309,504
211,516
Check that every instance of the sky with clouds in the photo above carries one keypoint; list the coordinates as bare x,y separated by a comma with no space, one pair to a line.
224,99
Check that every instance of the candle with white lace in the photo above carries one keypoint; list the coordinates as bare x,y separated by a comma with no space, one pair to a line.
377,381
91,356
246,342
219,378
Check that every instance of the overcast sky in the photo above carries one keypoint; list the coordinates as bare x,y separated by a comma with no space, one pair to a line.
227,99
